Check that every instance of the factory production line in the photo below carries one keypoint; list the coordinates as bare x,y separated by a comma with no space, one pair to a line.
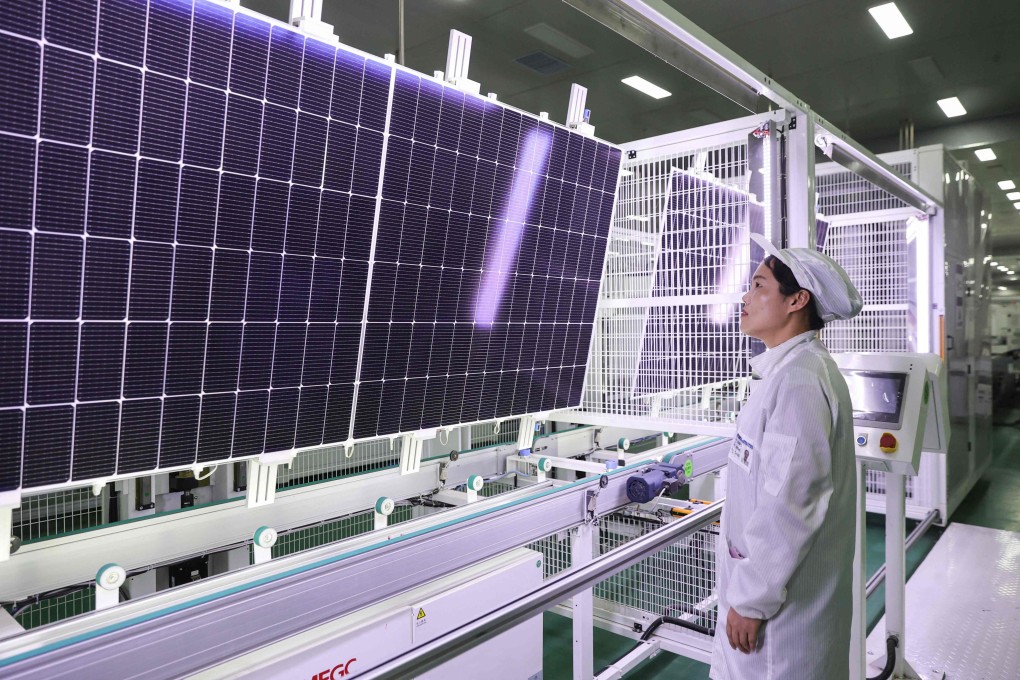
461,540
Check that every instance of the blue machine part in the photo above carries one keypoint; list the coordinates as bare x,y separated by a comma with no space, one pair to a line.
646,485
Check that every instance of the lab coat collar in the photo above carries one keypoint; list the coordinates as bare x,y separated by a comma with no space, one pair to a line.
763,364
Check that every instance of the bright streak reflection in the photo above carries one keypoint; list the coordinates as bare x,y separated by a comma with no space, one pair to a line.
499,264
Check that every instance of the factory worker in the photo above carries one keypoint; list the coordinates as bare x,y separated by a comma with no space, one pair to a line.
786,548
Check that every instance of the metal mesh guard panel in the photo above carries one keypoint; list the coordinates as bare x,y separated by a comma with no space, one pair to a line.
845,192
668,344
874,255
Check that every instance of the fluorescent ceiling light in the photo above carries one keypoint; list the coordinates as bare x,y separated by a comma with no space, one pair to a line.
1011,272
1007,185
1017,205
952,107
994,264
642,85
1013,196
625,173
892,22
985,155
1002,288
638,218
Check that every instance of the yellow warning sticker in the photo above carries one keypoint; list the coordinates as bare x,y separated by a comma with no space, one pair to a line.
421,614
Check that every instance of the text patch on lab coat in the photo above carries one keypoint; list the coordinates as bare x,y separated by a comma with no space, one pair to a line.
742,452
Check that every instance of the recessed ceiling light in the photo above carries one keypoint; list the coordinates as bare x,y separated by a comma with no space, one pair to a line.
1007,185
994,264
1017,205
642,85
891,20
952,107
1002,288
985,155
1013,196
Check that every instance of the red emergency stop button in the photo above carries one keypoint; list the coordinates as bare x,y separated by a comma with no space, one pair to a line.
887,443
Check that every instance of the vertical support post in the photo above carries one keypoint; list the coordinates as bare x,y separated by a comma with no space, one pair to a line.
8,501
383,509
109,579
800,182
577,114
583,605
262,545
261,484
858,629
526,433
473,486
262,473
575,107
458,56
307,16
400,32
895,565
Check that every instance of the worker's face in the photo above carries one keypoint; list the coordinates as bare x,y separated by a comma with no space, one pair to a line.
765,309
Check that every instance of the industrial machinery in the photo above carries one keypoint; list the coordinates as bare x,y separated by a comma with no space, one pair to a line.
376,369
900,408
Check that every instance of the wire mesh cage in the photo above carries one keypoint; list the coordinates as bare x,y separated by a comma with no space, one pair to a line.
335,530
874,255
334,462
667,348
493,434
868,237
842,192
57,513
57,607
555,549
677,581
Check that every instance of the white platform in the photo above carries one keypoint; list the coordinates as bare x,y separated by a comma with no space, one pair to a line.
963,608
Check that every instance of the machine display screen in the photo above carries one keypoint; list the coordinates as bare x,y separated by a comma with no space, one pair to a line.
876,396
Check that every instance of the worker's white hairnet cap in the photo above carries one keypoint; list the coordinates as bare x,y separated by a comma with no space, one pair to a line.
834,293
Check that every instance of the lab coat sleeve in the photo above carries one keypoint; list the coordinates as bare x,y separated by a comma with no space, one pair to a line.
793,491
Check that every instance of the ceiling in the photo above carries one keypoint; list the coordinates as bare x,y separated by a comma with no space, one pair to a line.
829,53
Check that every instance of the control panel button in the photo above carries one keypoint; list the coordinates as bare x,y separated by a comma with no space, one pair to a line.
888,443
862,440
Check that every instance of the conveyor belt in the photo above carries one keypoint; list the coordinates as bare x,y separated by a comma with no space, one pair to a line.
179,632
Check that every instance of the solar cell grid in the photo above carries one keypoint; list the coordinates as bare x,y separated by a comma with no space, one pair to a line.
190,198
487,265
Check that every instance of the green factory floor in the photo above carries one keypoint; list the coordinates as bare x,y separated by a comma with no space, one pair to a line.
994,502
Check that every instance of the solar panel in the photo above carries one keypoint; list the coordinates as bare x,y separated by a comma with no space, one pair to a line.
191,217
491,240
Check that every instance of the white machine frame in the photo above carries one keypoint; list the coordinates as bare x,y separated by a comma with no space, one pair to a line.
922,423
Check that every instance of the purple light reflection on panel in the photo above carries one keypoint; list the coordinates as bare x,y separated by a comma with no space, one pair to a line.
531,160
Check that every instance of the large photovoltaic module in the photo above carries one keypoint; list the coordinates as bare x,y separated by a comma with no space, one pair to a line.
489,254
196,201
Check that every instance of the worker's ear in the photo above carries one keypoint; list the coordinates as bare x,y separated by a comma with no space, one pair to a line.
799,300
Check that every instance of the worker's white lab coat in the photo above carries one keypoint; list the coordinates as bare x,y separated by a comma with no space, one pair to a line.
785,552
